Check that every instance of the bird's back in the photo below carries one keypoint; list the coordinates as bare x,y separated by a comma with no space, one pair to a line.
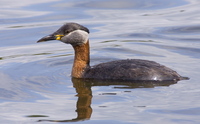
131,69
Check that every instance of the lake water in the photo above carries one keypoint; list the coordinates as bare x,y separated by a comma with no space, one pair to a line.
35,82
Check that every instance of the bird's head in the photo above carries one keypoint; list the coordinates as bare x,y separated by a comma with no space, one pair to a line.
70,33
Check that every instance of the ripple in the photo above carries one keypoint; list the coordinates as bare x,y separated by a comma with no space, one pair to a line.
133,4
190,111
188,51
180,30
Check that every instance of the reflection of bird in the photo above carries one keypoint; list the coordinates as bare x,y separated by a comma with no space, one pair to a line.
84,93
131,69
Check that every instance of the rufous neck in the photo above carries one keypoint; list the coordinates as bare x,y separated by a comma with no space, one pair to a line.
81,60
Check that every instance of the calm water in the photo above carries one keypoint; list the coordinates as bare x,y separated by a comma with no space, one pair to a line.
35,83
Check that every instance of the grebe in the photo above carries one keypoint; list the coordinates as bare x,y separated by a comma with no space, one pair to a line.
130,69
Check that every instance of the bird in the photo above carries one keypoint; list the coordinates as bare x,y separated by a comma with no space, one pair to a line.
129,69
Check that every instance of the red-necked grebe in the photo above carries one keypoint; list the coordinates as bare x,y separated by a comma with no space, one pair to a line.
130,69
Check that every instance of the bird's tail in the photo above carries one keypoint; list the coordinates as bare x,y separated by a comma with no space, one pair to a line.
184,78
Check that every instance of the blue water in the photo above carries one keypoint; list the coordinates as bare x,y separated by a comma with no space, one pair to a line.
35,82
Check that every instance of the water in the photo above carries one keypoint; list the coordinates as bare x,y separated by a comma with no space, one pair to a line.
35,78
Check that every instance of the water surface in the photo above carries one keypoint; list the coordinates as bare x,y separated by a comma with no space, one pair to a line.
35,78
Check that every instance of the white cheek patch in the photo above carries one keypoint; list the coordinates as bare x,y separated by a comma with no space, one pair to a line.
82,35
76,37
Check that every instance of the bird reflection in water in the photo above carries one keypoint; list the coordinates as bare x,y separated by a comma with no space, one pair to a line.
84,93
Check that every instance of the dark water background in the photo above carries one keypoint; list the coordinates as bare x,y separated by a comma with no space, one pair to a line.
35,81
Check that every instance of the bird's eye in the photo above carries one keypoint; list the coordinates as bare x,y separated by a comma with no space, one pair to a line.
66,32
